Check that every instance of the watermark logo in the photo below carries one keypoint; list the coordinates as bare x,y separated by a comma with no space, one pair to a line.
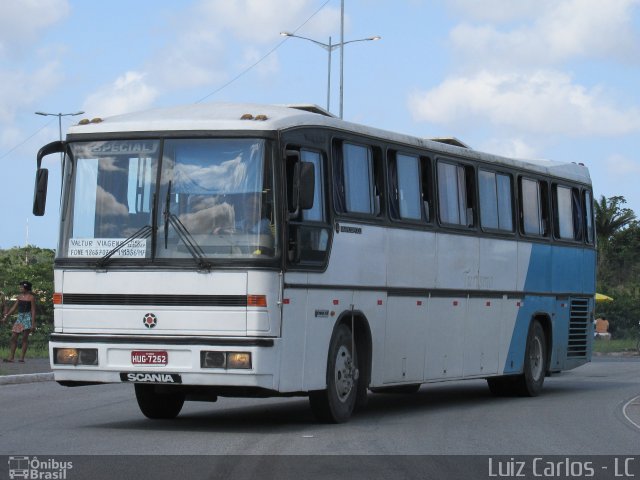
38,469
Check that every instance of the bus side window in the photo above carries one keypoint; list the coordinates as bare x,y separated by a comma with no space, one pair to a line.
358,179
426,180
410,187
587,199
568,214
534,207
406,197
317,212
456,194
496,200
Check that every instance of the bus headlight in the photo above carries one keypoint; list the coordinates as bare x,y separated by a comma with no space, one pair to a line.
65,356
88,356
75,356
225,360
213,359
239,360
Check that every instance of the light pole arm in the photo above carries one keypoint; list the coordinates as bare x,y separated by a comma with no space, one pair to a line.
320,44
329,48
369,39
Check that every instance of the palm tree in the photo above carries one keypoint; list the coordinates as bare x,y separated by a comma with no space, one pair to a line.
611,217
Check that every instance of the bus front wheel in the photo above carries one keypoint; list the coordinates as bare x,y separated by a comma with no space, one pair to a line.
157,405
335,404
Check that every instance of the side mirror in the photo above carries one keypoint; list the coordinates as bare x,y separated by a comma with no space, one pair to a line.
302,191
300,183
48,149
42,176
40,192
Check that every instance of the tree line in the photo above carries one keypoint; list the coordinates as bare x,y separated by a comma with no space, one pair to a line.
618,269
618,274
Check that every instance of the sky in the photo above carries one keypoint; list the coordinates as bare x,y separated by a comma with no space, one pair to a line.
538,79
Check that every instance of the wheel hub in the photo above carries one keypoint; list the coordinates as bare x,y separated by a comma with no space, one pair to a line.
344,374
535,359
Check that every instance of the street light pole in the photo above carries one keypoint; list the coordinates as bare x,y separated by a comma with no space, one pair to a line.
329,47
59,115
341,54
329,76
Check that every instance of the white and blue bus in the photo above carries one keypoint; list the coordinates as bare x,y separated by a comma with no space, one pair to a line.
250,250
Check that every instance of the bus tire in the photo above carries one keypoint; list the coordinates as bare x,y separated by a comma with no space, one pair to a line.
336,403
156,405
529,383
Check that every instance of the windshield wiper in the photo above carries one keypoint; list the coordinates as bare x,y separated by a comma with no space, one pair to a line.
142,233
192,246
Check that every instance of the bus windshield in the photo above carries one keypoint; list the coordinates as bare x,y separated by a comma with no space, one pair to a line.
212,198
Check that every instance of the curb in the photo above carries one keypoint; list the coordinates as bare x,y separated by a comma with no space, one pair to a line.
27,378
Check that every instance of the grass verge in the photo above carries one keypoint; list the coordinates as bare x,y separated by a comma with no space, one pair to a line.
36,352
615,345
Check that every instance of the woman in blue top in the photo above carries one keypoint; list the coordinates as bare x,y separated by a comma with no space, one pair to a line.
26,322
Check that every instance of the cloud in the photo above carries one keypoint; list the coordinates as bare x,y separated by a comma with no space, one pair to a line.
268,67
222,38
259,22
619,166
214,41
510,147
551,32
21,23
193,59
20,89
499,11
544,102
128,93
22,20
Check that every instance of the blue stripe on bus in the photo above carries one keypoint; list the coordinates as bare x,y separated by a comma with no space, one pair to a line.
569,263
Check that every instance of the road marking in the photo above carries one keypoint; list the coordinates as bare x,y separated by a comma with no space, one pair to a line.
624,410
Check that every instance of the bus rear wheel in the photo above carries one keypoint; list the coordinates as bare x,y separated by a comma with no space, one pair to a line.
529,382
336,403
156,405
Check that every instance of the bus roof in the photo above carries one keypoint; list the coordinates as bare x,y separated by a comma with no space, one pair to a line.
258,117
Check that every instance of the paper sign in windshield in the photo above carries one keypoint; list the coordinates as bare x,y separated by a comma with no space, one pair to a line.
99,247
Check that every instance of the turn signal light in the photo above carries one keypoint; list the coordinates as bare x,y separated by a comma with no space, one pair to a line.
256,300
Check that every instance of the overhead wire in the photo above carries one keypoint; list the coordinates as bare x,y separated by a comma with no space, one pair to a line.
241,74
249,68
25,140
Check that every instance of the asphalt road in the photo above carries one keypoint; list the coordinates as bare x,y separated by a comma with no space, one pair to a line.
587,411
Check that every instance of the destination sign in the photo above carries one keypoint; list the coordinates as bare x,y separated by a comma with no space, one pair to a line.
125,147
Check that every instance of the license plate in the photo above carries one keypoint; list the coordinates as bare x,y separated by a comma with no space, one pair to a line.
140,357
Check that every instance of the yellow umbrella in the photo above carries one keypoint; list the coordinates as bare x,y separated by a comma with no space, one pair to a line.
600,297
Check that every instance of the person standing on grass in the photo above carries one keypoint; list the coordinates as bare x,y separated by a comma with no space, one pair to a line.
26,322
